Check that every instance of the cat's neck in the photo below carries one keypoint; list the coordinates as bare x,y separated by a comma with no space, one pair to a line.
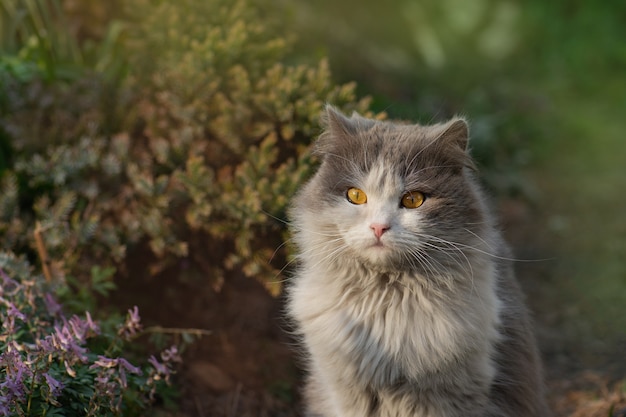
353,276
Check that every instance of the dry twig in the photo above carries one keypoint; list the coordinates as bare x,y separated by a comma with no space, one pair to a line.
43,253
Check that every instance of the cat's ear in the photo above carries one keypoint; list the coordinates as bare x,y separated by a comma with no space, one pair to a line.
361,123
452,139
455,132
338,132
336,123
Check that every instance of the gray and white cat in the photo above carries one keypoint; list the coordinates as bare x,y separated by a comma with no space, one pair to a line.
404,298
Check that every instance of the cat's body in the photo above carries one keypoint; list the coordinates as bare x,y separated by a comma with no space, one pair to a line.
404,298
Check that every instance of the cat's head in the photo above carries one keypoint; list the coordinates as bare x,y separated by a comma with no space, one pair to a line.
391,196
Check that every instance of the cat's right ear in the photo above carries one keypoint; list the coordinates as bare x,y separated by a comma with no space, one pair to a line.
336,123
337,130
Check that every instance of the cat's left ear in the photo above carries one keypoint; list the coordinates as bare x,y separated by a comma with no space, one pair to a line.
455,132
452,138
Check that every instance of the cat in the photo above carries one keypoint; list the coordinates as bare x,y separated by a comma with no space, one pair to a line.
404,297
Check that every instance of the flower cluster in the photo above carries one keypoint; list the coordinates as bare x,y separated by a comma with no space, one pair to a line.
132,325
51,364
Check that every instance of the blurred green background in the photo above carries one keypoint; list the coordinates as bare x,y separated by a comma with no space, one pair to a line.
543,84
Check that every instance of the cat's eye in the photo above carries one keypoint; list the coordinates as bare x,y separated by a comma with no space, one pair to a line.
412,200
356,196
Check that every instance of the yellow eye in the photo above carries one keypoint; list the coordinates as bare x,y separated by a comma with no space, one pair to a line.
356,196
413,199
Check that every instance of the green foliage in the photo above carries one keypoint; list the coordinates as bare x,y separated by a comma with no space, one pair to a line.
401,37
212,143
226,131
69,365
64,184
80,297
34,31
38,41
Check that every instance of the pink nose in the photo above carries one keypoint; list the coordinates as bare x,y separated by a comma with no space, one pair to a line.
379,229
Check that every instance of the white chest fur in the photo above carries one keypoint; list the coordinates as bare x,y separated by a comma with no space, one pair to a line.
382,329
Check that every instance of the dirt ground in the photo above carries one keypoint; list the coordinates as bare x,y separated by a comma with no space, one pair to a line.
248,367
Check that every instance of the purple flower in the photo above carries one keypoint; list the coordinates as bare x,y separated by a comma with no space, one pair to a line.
13,388
63,339
104,362
12,311
171,355
104,385
90,324
122,365
70,371
52,306
63,343
4,406
82,329
46,345
132,325
102,379
55,386
126,366
16,370
160,368
77,329
134,315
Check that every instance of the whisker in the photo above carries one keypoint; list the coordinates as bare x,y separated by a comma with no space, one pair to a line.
282,245
484,252
278,219
313,249
478,237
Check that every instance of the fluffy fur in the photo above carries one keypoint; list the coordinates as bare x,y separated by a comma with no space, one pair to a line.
425,320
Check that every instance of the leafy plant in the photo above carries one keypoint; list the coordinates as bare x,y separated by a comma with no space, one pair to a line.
52,364
38,41
213,142
226,133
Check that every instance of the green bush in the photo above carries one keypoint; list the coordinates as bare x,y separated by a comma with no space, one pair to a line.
225,129
213,141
